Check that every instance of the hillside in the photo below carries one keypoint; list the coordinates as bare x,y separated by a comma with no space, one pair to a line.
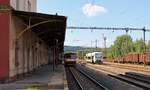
73,48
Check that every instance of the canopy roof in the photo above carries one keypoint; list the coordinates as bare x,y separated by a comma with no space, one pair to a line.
50,28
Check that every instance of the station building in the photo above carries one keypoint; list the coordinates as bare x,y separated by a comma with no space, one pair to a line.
29,39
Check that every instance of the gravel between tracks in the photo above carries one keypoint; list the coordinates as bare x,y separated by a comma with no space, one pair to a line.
136,68
107,81
72,84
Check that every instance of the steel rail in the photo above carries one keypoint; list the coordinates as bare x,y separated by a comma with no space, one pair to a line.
131,82
123,78
92,79
133,76
80,86
136,78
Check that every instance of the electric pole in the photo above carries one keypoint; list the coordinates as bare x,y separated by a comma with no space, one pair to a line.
96,43
126,51
105,51
91,50
144,46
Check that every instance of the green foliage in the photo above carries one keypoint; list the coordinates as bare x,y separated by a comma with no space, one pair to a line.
139,46
122,45
148,46
31,87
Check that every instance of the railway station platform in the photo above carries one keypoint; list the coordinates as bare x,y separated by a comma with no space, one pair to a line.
45,78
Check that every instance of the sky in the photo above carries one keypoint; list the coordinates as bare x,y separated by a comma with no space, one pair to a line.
99,13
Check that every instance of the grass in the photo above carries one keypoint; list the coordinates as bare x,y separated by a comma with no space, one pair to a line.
31,87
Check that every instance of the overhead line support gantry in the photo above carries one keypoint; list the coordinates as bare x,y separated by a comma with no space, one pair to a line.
117,28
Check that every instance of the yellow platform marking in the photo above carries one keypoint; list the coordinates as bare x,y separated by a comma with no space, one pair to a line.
65,81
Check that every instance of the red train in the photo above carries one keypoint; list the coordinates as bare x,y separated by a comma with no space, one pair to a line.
134,58
70,58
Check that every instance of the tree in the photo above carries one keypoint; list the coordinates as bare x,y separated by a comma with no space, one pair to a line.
139,46
148,46
122,45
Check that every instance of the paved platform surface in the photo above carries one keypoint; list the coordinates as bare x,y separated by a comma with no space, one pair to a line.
43,79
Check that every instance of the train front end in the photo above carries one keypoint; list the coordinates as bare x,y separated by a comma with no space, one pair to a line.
70,59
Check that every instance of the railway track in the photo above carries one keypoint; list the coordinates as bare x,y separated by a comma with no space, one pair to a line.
139,77
83,80
133,78
73,83
142,69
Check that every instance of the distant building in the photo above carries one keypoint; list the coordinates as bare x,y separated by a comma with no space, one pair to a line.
22,48
21,5
24,5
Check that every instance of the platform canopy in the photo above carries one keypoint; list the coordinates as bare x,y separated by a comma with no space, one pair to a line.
50,28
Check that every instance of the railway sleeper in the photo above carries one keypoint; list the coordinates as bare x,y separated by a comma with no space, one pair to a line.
136,78
145,86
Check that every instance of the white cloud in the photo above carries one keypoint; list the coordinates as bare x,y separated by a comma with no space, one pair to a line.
93,10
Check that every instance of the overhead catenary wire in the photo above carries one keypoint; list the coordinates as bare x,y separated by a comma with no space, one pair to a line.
109,28
117,28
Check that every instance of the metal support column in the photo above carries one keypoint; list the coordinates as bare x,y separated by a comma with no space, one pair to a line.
126,41
53,58
96,43
105,51
144,45
56,52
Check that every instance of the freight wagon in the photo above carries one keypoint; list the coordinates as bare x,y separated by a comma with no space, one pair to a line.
135,58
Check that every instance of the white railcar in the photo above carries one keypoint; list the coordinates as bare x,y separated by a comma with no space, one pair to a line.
94,57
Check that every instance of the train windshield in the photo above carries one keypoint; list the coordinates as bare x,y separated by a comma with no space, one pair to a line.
70,56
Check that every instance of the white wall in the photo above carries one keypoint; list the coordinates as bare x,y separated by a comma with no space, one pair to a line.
33,5
24,5
14,30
